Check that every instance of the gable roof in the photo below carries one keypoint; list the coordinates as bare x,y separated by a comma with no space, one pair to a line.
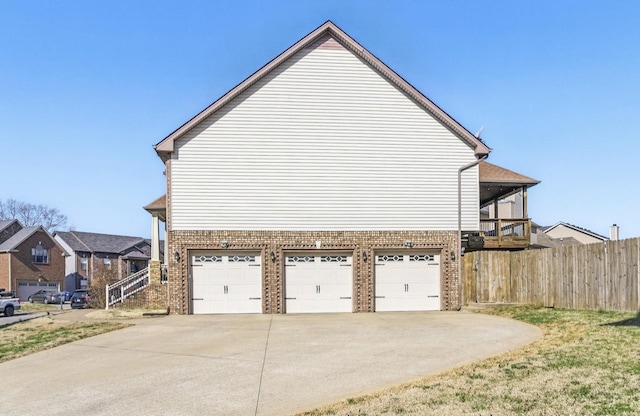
15,240
18,238
166,146
576,228
98,243
5,223
158,204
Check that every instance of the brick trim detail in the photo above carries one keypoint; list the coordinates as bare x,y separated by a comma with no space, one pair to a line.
281,242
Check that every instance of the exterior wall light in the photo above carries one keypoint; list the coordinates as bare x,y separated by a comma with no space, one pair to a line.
272,256
453,256
176,256
364,255
224,244
408,243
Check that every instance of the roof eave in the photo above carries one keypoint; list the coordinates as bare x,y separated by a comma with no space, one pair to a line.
509,183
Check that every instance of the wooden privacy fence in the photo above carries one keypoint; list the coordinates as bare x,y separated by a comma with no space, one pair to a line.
593,276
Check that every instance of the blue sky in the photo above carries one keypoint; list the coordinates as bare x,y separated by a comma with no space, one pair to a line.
88,87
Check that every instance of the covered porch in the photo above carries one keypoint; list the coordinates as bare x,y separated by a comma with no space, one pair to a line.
504,220
158,211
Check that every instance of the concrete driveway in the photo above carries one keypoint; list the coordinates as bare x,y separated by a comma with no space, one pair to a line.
248,364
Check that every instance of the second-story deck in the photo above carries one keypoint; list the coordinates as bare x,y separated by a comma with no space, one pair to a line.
506,234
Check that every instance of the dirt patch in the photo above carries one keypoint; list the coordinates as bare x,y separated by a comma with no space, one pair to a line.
102,314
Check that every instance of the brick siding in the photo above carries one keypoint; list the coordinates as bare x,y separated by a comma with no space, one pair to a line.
4,272
279,242
22,267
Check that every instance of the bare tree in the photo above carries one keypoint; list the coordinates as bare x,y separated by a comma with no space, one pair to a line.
31,215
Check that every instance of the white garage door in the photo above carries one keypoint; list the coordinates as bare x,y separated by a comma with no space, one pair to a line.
226,283
26,289
318,283
407,282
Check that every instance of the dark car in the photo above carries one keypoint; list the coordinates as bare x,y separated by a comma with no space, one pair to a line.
80,299
45,296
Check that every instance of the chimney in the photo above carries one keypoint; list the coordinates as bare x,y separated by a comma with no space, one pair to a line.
614,232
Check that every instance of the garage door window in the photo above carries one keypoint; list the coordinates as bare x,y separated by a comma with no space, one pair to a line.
301,259
207,259
333,259
239,259
421,257
391,257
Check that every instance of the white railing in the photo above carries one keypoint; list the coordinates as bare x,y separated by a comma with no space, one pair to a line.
126,287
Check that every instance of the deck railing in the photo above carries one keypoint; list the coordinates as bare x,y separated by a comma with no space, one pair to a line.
506,233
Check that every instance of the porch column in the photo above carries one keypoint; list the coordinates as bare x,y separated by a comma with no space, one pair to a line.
524,202
495,208
155,238
166,244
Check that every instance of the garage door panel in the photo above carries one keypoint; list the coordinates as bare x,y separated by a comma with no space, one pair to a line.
407,282
318,283
226,283
28,288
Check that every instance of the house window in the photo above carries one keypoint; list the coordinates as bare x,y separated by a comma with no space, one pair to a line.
40,254
107,263
83,263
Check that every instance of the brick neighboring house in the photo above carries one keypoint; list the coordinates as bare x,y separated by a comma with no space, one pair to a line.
30,259
94,254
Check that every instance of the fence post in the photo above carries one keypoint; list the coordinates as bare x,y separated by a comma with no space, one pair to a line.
106,297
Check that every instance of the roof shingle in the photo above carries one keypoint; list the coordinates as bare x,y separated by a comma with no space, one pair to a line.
496,174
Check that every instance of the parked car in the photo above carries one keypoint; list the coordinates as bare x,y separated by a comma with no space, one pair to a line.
8,303
80,299
45,296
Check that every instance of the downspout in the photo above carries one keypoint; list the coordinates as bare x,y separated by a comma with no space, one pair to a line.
459,249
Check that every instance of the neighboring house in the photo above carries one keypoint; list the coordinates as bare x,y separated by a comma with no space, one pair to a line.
324,182
30,259
93,254
562,231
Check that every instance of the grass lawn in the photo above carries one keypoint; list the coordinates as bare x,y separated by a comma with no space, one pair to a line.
43,333
37,307
586,363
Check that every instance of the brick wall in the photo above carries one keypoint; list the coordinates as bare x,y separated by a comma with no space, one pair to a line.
23,268
4,272
278,242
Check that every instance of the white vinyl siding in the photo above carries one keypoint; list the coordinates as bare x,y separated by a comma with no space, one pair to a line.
321,143
70,260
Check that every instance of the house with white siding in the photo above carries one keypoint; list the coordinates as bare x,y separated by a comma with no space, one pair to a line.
324,182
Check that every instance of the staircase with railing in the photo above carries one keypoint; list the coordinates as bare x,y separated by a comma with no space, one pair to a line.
129,286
